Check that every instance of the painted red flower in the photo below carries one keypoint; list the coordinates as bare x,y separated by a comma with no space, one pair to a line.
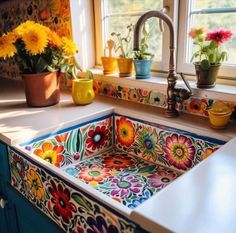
97,137
61,200
219,36
118,162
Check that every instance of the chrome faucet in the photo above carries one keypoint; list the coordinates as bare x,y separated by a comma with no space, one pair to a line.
172,91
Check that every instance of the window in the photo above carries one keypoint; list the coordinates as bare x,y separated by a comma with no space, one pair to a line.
211,14
116,15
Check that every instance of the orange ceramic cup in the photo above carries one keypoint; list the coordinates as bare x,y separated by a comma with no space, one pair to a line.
109,65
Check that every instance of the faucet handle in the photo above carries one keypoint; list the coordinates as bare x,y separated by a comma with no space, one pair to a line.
186,83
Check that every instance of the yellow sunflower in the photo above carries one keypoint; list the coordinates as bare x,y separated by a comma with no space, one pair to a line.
7,48
54,39
35,39
35,184
22,28
68,47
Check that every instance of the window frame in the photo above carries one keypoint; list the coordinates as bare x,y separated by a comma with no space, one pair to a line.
226,71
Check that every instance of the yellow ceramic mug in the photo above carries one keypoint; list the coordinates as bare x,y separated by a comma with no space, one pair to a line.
82,91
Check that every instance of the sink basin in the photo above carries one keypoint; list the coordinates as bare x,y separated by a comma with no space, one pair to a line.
102,169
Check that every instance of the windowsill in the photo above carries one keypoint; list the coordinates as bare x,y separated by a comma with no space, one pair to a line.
220,91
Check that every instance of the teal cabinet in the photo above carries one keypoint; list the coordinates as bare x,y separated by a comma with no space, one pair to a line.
18,215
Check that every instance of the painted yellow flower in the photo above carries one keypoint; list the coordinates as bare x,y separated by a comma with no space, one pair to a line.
22,28
7,48
35,184
35,39
68,47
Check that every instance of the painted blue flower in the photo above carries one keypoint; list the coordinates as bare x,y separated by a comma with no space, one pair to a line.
71,171
136,202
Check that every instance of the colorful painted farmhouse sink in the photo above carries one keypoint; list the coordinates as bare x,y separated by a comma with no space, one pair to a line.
91,176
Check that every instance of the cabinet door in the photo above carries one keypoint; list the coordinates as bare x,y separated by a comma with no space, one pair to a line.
8,220
4,166
30,219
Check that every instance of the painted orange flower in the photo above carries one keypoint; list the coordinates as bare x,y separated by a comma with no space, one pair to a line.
118,162
93,174
208,152
35,184
125,131
50,153
61,137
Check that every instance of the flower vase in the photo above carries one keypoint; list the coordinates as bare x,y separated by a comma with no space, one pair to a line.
206,78
42,89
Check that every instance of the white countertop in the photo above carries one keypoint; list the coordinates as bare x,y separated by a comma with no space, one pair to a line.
202,200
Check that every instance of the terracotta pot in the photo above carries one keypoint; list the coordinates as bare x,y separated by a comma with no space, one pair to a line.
42,89
206,78
109,65
125,66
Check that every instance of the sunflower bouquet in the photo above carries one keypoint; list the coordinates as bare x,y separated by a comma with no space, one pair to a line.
36,49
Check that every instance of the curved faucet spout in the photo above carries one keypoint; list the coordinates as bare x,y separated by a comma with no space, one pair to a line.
172,91
167,20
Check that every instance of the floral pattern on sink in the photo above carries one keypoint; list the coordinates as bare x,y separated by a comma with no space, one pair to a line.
127,179
68,206
73,145
170,147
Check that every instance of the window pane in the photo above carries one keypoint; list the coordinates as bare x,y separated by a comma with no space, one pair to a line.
118,23
121,6
215,21
202,4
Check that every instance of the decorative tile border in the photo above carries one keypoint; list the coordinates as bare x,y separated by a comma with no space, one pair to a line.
73,145
172,148
54,14
127,179
194,105
70,208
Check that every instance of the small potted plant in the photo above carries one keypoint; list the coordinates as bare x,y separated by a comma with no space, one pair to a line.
208,55
40,54
142,58
109,62
123,44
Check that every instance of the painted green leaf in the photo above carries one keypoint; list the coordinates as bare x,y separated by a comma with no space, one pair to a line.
79,199
74,142
150,169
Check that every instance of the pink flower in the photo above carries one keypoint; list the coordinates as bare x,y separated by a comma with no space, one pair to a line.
125,185
179,151
194,32
162,178
219,36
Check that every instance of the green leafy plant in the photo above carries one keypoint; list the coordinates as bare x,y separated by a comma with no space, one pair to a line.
142,53
123,44
208,51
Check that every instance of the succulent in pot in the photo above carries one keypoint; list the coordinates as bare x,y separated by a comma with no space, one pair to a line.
208,55
40,54
123,45
142,58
